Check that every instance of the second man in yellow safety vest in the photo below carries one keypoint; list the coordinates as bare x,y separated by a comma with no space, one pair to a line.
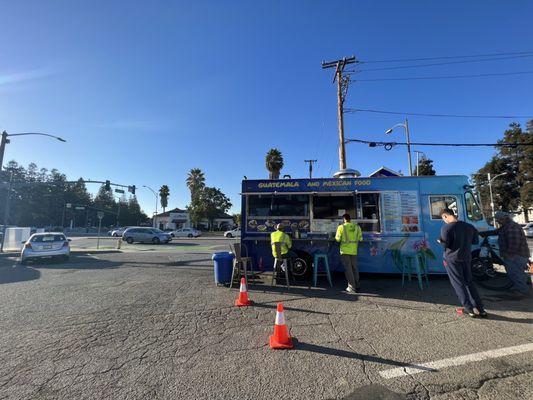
285,241
349,235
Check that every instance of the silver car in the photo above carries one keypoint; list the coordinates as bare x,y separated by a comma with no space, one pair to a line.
145,235
41,245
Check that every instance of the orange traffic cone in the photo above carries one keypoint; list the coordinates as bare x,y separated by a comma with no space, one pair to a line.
280,339
243,299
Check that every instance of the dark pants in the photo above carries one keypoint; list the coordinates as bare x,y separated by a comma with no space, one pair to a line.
460,274
350,270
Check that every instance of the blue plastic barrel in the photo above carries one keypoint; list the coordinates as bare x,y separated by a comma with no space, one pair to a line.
223,265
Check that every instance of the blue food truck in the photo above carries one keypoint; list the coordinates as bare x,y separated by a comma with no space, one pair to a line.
399,217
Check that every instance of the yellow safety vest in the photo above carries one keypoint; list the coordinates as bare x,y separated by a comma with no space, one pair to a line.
348,235
283,238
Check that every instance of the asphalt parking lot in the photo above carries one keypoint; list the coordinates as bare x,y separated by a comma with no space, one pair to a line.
149,322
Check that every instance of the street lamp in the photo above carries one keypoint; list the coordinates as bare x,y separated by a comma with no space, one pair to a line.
5,141
418,159
156,201
405,126
490,191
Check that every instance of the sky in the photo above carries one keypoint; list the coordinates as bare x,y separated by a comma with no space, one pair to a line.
145,91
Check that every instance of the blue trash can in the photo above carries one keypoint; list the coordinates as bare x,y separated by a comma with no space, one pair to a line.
223,265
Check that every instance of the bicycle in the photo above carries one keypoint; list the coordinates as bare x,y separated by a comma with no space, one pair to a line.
483,270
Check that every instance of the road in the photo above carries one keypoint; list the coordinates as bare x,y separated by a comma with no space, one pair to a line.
149,322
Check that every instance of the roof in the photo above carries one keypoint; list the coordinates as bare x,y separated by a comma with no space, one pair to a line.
167,213
223,216
384,172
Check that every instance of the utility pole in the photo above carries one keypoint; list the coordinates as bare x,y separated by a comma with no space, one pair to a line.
342,89
409,148
3,143
310,167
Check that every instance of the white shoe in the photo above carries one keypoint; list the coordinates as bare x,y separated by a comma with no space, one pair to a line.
350,289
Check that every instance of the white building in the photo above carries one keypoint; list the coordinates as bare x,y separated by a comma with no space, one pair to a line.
173,219
176,219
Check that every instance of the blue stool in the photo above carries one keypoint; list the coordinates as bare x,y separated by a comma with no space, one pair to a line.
420,268
316,259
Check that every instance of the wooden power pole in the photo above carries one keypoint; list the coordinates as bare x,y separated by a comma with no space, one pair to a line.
342,88
310,167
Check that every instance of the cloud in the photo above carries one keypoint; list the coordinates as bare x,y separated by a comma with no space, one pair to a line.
19,77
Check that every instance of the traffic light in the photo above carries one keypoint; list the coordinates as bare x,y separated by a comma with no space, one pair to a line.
131,189
107,185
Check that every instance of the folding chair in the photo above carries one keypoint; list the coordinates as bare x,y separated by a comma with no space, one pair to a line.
278,261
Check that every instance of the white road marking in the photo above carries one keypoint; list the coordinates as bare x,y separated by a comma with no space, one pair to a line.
435,366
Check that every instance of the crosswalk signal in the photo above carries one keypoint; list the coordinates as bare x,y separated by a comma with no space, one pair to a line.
107,185
131,189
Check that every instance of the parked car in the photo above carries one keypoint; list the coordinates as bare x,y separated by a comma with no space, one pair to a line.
145,235
528,229
45,245
186,232
117,232
233,233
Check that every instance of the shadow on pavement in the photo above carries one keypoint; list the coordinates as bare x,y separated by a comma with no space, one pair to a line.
288,308
315,348
19,273
77,261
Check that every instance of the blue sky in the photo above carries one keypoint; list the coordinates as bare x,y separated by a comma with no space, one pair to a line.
143,93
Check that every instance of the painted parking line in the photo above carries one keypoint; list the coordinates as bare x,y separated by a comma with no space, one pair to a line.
435,366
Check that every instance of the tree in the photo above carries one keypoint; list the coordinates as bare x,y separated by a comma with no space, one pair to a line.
512,191
274,163
211,203
164,192
237,219
195,181
425,167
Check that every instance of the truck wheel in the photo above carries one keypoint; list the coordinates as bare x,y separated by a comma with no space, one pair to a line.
299,267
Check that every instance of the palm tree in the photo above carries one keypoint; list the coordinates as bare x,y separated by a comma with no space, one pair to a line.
274,163
195,181
164,192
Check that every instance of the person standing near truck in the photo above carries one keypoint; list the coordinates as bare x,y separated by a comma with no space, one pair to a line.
457,237
514,250
349,235
285,241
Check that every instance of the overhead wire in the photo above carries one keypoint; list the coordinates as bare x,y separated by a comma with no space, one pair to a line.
389,145
439,63
442,77
354,110
446,57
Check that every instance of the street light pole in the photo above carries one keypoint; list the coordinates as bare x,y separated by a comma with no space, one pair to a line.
405,126
418,160
156,201
5,141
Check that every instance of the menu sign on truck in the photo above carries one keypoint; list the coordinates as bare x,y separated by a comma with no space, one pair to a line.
401,211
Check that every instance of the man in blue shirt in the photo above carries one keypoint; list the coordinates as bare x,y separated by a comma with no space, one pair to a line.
457,237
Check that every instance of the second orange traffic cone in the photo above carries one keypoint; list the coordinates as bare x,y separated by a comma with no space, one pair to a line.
243,299
281,338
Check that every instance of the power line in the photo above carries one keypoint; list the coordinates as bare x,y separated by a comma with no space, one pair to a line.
390,145
443,77
445,57
353,110
439,63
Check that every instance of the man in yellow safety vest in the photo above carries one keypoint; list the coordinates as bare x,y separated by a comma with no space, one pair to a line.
285,241
349,235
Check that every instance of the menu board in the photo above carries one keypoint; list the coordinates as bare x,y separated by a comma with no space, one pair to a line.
401,211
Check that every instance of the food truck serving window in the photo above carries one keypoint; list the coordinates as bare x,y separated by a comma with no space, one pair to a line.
278,205
439,203
333,207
